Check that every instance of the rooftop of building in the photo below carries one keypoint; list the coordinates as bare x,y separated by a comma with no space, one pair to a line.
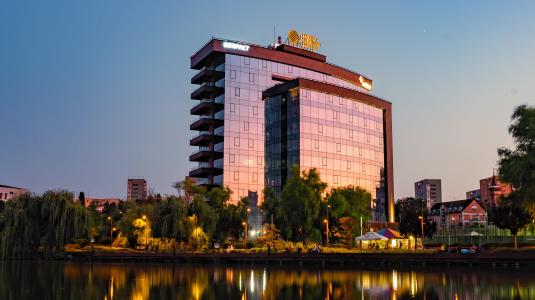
452,206
11,187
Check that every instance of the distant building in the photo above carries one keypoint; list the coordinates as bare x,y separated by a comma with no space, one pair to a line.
475,194
8,192
429,190
458,213
137,189
100,203
492,189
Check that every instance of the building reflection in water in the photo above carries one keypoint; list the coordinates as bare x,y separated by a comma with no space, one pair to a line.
33,280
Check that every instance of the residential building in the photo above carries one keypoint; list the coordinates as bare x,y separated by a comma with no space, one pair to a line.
492,189
137,189
9,192
100,203
233,78
464,213
430,190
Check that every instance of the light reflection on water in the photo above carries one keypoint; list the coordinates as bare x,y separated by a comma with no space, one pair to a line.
57,280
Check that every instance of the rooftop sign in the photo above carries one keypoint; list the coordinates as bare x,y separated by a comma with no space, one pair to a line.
235,46
303,40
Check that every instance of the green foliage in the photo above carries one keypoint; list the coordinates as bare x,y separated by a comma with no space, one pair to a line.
517,166
206,216
408,211
231,218
44,224
348,202
170,219
511,216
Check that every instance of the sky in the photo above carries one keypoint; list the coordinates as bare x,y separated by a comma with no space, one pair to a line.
95,92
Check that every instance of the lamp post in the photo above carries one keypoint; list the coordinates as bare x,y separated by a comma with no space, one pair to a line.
452,222
245,232
111,230
146,235
326,221
422,225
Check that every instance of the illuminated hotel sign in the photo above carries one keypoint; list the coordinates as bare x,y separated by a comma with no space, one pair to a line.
365,83
303,40
235,46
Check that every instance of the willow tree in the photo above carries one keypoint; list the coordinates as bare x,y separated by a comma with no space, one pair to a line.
36,225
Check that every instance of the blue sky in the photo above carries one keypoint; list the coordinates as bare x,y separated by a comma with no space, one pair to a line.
94,92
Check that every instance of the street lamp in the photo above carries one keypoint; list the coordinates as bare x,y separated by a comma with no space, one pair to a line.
144,217
326,221
245,233
422,225
111,231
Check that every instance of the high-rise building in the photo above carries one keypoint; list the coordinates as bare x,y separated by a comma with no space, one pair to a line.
430,190
231,125
492,189
137,189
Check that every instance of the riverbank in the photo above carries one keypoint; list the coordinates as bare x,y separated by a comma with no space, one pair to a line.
498,259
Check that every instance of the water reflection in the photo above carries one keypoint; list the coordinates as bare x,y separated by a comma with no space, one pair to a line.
54,280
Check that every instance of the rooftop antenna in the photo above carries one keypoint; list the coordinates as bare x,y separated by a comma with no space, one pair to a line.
274,39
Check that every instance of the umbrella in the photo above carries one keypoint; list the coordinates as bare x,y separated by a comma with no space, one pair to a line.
390,233
371,236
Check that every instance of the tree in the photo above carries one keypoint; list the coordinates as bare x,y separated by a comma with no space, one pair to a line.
512,216
81,198
517,166
408,211
297,210
344,231
206,216
170,219
348,202
270,236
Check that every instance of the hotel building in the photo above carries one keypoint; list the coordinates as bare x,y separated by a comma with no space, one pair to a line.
336,125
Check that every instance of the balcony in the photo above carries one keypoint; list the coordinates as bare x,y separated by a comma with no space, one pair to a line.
204,172
205,155
207,90
207,75
204,124
206,107
205,139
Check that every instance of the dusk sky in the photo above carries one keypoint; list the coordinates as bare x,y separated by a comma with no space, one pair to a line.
94,92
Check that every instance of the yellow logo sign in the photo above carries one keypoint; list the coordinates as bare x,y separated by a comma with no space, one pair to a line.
306,41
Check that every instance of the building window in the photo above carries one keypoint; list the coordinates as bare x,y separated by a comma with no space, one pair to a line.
232,158
316,144
246,61
351,119
360,151
335,179
376,155
255,111
290,69
335,115
365,122
246,126
236,141
255,177
349,165
324,161
338,147
237,91
264,64
251,77
368,138
236,175
320,128
330,98
363,168
232,107
251,143
260,160
351,134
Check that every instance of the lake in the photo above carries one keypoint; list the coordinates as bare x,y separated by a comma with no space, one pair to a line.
67,280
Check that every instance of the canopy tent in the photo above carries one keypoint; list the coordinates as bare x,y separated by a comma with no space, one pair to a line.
390,233
371,236
474,233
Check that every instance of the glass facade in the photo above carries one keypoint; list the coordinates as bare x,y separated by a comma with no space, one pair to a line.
244,129
340,137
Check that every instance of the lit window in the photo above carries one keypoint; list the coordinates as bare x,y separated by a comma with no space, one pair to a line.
237,91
